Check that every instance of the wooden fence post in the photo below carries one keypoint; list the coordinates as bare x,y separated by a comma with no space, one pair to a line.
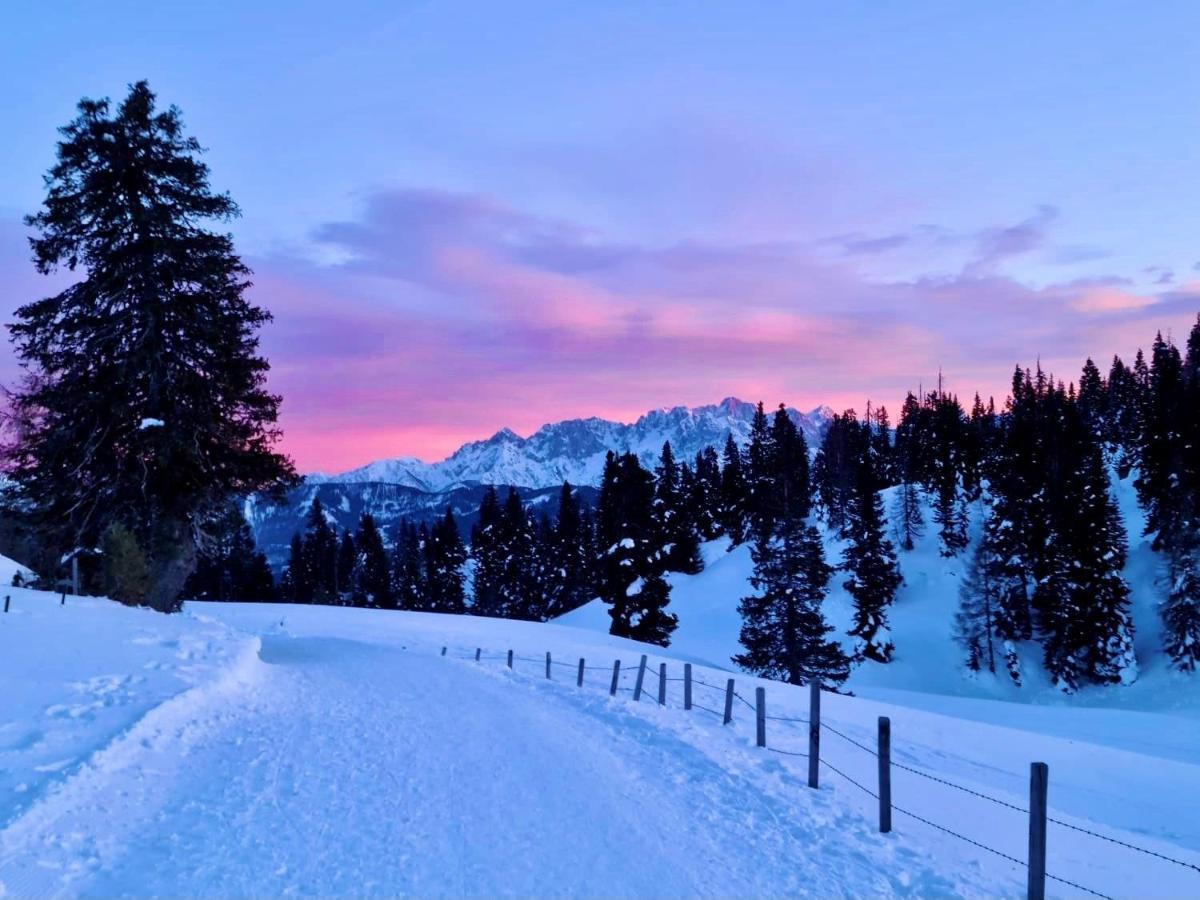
760,716
814,733
579,680
1039,778
510,659
478,650
547,663
687,685
6,599
63,601
612,691
885,774
728,702
443,651
641,676
662,684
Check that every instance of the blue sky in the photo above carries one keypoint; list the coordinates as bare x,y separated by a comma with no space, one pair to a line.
602,207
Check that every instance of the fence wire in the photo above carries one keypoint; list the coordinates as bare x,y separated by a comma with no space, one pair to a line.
630,670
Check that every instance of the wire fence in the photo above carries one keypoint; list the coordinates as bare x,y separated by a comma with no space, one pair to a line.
622,672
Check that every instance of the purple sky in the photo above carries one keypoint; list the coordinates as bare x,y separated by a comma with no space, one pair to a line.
466,218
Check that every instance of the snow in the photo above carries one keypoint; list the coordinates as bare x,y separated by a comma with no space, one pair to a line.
150,423
574,450
252,749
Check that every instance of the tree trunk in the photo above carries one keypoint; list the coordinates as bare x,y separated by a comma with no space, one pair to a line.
174,561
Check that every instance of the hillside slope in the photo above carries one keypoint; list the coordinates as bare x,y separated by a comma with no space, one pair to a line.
928,670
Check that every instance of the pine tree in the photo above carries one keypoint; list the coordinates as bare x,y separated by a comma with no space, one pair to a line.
910,522
320,555
844,447
975,623
444,558
946,474
631,564
784,633
1169,489
568,583
680,546
144,380
408,567
703,494
519,594
1088,632
297,586
372,572
345,572
760,475
488,552
734,493
874,573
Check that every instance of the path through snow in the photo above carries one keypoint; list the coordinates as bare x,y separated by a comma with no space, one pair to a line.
330,766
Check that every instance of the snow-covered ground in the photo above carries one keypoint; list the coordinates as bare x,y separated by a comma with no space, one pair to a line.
268,749
1159,714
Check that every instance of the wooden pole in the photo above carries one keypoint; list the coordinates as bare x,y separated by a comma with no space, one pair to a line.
579,679
728,701
814,734
6,600
63,601
478,650
687,685
443,651
885,774
662,684
547,663
1039,782
510,659
612,691
641,676
760,716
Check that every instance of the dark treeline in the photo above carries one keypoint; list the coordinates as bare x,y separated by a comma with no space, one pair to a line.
1046,566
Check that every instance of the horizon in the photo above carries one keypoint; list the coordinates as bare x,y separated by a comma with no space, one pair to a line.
463,223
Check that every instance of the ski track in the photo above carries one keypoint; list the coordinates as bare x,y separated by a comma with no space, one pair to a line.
331,766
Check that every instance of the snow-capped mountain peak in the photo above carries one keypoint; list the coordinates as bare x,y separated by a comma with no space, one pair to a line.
574,449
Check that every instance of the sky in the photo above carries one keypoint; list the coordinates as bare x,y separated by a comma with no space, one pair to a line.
469,216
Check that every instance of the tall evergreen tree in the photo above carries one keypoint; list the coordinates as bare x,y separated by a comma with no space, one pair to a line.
734,492
784,633
345,567
488,552
372,571
677,531
320,555
145,383
408,567
631,565
444,558
906,513
568,582
297,586
874,573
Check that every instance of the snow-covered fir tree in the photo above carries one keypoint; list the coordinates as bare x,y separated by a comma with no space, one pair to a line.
372,576
631,563
875,577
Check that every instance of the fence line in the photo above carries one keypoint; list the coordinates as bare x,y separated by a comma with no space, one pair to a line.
638,670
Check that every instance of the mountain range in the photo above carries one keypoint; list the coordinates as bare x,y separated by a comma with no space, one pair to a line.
572,450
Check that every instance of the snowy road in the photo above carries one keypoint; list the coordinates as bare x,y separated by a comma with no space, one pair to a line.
331,767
